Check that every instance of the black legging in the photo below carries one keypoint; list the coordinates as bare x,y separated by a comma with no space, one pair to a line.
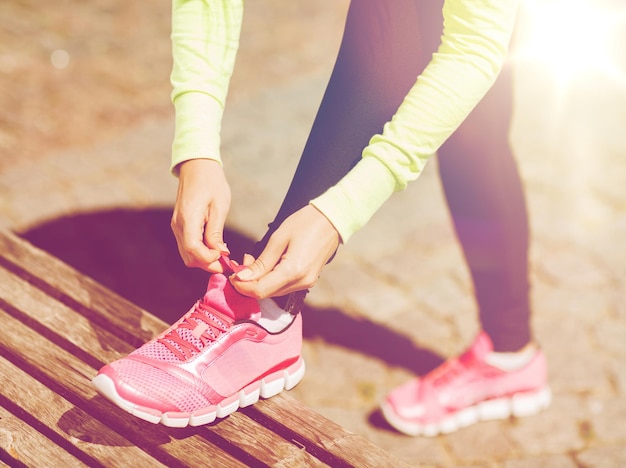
384,48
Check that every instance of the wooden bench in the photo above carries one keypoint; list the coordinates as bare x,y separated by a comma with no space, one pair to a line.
58,327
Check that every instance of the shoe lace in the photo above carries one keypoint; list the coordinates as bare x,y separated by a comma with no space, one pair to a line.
204,323
446,373
450,370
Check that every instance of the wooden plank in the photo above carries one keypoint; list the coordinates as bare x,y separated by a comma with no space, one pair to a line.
22,444
49,416
267,446
56,321
326,440
8,458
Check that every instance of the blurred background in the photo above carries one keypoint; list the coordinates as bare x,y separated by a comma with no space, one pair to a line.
85,135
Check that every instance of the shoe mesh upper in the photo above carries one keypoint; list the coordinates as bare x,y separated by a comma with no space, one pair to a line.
159,352
157,384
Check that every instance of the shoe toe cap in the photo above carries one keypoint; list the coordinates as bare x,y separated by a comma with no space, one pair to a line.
404,400
141,385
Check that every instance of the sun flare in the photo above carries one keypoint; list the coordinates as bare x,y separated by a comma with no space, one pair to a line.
573,37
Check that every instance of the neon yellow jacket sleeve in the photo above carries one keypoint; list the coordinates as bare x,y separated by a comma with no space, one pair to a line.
474,45
473,49
205,39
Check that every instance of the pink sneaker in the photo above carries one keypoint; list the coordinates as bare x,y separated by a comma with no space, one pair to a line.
223,354
466,390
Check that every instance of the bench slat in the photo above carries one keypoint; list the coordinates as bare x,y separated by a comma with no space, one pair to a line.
80,293
68,425
268,446
336,446
59,323
22,443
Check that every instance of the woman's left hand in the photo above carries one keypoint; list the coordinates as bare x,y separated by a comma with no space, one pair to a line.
293,259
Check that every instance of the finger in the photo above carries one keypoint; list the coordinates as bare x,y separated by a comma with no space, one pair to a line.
193,251
248,259
265,263
283,278
214,267
273,284
208,261
200,256
214,230
215,241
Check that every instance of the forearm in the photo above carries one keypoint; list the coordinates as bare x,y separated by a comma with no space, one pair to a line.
473,49
205,39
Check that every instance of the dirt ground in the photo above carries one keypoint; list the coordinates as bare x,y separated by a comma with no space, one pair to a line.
72,72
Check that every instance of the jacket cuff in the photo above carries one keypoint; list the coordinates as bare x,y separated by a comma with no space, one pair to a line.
351,203
197,129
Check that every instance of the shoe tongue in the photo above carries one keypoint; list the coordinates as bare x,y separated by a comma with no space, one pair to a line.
221,295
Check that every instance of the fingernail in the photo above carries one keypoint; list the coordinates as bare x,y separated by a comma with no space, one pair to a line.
224,248
245,274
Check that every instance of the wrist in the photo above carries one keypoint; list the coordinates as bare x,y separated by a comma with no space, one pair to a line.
193,166
328,224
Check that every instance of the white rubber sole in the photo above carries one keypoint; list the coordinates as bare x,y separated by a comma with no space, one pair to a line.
518,405
267,387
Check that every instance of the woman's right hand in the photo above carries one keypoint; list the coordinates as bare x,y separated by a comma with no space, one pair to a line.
202,204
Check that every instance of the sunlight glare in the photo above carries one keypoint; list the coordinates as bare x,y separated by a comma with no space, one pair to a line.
572,37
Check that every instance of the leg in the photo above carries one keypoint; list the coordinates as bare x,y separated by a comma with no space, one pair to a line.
380,57
486,200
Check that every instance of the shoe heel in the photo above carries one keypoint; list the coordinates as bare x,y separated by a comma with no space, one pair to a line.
286,379
294,374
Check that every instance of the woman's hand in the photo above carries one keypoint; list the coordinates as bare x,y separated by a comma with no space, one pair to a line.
202,204
293,258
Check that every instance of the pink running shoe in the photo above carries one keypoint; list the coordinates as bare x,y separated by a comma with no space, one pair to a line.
465,390
223,354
